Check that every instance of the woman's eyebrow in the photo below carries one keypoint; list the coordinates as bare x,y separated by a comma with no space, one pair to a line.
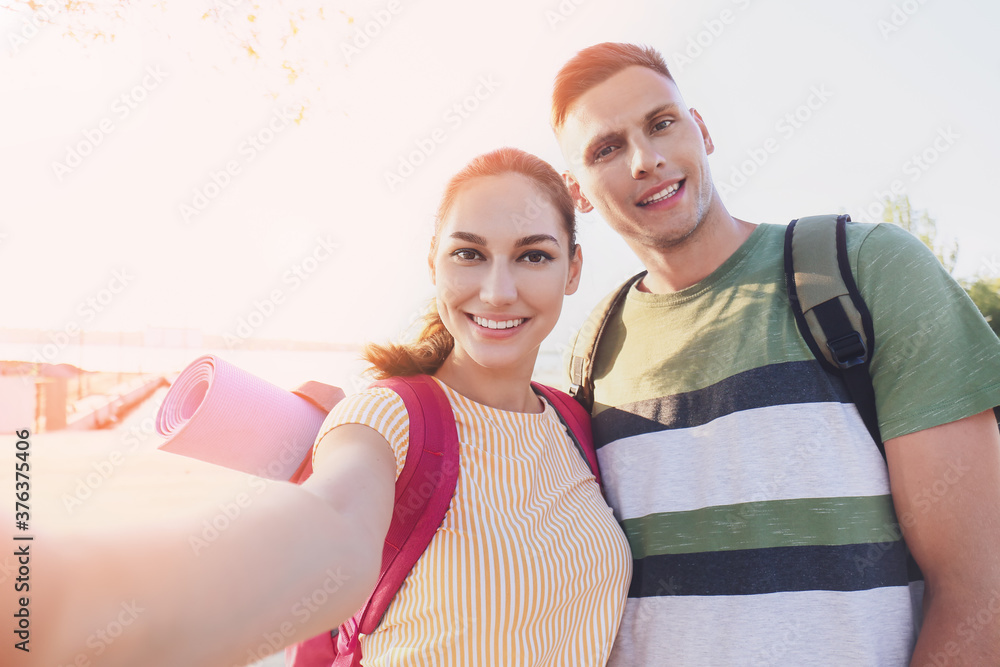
535,238
469,238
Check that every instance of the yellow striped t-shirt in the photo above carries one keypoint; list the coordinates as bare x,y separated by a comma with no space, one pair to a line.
529,566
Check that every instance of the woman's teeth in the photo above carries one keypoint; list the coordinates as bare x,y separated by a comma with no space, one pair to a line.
493,324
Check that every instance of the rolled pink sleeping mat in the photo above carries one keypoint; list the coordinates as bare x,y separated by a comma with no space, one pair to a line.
218,413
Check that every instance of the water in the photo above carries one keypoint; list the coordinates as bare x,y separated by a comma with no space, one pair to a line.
284,368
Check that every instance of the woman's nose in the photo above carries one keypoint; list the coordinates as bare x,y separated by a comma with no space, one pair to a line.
499,286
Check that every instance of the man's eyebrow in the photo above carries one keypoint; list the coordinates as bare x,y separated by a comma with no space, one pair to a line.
597,141
670,106
470,238
534,239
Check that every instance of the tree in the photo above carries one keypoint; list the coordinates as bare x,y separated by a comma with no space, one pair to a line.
295,47
899,211
983,290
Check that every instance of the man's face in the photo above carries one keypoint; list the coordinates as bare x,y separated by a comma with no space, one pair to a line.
640,157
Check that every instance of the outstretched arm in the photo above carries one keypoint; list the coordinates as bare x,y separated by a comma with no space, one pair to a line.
296,562
946,489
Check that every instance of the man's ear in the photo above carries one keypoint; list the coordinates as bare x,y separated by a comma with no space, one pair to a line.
575,269
579,200
709,146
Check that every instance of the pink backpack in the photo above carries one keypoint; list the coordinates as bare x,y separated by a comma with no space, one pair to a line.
423,493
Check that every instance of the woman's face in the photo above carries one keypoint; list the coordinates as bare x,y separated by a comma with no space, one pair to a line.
501,268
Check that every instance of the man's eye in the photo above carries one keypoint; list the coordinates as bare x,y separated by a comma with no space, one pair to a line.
604,152
662,125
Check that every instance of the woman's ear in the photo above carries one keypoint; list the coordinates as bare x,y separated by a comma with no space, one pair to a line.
575,270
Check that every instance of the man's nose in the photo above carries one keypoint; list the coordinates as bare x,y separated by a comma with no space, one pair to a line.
645,159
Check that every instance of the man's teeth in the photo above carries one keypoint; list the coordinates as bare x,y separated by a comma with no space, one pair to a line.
493,324
662,194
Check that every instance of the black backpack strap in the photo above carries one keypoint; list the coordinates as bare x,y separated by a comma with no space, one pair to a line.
581,365
829,310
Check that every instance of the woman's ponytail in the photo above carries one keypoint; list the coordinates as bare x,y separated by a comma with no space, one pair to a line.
423,356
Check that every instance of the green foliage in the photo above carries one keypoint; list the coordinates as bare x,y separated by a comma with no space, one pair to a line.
919,223
985,293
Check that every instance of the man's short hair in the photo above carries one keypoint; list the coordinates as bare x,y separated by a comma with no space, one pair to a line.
595,65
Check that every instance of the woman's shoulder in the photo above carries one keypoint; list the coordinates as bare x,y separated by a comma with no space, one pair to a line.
377,407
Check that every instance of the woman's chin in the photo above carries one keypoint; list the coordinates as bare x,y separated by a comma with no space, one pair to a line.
502,361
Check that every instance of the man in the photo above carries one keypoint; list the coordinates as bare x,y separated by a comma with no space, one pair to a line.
764,525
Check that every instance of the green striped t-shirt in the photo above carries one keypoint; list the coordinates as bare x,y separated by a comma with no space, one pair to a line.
755,502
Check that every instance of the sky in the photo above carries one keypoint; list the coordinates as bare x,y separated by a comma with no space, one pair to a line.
272,169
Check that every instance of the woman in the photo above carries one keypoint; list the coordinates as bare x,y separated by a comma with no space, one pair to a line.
529,566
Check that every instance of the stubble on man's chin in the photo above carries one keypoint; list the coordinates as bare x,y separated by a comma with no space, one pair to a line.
689,233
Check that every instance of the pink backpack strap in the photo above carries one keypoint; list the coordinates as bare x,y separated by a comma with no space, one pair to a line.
577,422
424,490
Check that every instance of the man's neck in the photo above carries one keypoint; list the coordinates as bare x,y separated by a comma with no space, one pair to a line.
694,259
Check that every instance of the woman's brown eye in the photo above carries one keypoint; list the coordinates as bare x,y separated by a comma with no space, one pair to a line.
536,257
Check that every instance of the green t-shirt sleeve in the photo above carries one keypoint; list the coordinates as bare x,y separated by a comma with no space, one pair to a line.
936,360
